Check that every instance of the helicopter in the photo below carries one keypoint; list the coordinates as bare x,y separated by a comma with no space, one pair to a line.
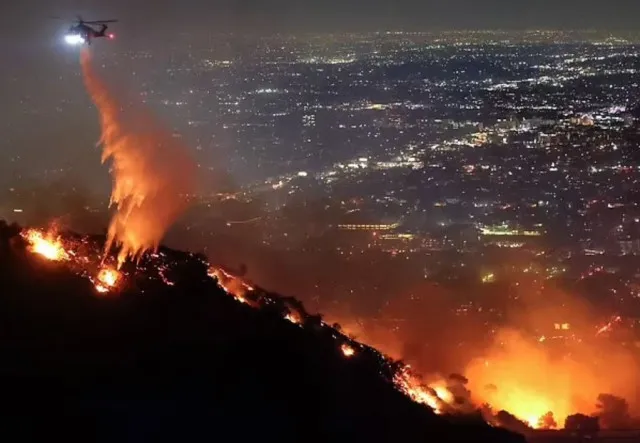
83,31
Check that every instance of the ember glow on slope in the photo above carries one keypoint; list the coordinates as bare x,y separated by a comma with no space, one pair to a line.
523,374
405,379
107,280
53,248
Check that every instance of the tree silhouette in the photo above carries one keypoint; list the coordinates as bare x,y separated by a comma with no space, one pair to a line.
613,412
511,422
457,385
582,425
547,421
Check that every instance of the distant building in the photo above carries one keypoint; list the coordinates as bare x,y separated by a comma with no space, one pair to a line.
629,247
309,121
505,231
585,120
435,244
504,236
397,242
369,227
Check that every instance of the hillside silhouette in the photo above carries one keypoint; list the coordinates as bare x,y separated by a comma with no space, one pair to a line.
189,363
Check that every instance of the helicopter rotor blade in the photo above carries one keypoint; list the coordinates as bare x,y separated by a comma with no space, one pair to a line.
99,22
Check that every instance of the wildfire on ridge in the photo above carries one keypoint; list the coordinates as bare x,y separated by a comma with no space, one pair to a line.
534,389
411,385
527,399
231,285
108,277
52,247
435,395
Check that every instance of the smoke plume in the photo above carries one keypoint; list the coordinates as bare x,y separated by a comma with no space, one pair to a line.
152,172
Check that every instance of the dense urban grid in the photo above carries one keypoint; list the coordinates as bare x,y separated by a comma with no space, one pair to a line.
426,190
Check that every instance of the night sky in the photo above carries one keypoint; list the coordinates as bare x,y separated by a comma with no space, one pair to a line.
158,16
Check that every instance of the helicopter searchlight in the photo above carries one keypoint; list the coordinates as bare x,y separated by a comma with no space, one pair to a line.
83,32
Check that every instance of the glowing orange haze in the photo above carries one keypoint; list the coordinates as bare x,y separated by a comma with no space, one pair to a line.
152,173
528,384
519,372
528,381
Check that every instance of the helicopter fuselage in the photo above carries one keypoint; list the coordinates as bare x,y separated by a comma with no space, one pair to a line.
83,33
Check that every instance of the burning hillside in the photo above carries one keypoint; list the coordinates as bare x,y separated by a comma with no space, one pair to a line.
165,320
518,383
526,408
82,256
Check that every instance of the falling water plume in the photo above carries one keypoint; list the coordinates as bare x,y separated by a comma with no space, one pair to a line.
152,172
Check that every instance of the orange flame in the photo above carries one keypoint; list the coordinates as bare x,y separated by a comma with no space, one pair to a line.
413,387
293,317
107,280
442,392
231,285
152,173
347,350
46,245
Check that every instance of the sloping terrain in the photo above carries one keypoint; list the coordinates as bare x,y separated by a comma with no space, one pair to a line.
177,359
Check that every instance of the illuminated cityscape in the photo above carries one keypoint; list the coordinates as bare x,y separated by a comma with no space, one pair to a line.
457,199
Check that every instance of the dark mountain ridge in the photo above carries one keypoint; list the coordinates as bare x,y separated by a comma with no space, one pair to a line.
187,362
